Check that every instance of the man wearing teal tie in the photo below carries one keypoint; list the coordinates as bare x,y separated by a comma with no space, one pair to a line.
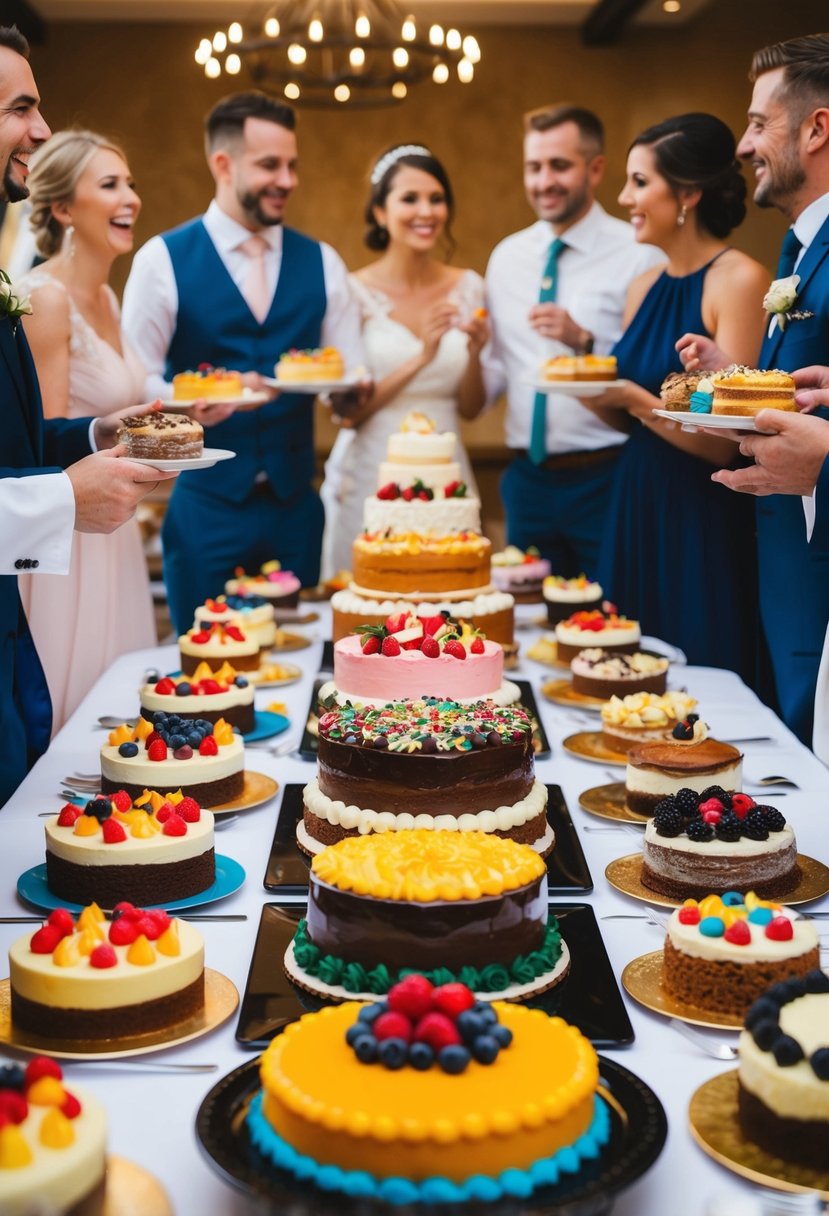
558,287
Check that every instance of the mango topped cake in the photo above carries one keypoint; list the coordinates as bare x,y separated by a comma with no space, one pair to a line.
203,761
319,363
429,1097
208,382
213,642
744,390
206,695
254,614
462,906
431,764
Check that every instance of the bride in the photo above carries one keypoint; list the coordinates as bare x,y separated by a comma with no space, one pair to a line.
423,330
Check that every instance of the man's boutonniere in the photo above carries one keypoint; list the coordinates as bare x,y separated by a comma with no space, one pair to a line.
12,305
779,298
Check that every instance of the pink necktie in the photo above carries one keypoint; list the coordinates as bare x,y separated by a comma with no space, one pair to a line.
255,289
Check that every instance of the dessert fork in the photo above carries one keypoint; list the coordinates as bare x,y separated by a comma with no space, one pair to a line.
774,780
719,1051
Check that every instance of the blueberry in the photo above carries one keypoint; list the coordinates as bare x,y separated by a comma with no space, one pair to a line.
787,1051
240,682
421,1056
485,1048
816,981
486,1012
194,739
392,1053
11,1076
502,1035
128,749
765,1033
365,1048
761,1011
159,716
819,1061
453,1059
353,1033
370,1013
470,1024
176,741
98,808
205,626
204,726
183,689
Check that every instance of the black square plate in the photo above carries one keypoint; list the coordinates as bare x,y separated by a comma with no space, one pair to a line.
589,997
308,747
287,870
327,657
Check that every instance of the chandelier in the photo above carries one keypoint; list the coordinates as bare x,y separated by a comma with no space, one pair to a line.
354,53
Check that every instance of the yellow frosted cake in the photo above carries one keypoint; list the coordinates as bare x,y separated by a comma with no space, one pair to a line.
324,363
744,390
210,383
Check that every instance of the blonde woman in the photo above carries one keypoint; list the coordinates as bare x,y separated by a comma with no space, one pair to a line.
84,208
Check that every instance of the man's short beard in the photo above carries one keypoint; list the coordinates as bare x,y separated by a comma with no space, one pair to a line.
781,186
10,190
250,205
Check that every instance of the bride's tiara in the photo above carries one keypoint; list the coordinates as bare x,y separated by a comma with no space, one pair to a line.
391,158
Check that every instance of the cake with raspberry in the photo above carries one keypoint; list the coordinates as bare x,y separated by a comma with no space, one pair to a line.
206,696
53,1142
745,390
714,841
783,1077
598,672
491,613
216,644
279,587
723,952
318,364
415,507
593,629
410,657
254,614
646,717
418,452
162,436
155,850
410,564
562,596
479,1104
655,771
451,906
520,573
150,756
208,383
431,764
89,978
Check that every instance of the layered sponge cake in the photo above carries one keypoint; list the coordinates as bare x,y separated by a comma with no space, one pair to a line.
656,771
162,437
744,390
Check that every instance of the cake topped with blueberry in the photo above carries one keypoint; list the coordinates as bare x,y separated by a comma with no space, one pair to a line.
204,760
712,841
210,693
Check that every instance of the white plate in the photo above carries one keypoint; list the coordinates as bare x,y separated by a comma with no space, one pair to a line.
315,387
248,397
573,388
723,422
208,458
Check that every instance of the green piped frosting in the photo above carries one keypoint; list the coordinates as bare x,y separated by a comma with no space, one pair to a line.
352,976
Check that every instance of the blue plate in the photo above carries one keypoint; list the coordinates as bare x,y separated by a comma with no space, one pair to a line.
265,725
31,886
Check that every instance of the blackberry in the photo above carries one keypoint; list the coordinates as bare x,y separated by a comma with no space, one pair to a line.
729,828
683,730
667,819
687,803
667,804
699,830
716,791
692,718
775,820
755,826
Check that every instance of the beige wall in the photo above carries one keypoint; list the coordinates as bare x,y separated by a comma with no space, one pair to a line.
139,83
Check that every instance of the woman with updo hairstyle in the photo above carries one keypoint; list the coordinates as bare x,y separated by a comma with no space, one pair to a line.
678,551
84,208
424,327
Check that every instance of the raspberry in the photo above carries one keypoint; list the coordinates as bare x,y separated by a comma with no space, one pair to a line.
452,999
62,920
412,996
430,648
738,933
166,687
175,826
699,830
370,643
390,648
103,956
208,746
157,750
45,940
711,804
123,932
42,1066
477,646
713,817
741,804
71,1107
716,791
68,815
455,648
122,800
775,819
113,831
437,1030
189,810
393,1025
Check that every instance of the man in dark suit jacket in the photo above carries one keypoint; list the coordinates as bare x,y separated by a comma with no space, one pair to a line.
787,143
39,503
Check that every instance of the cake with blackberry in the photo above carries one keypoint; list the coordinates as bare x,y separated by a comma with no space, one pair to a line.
716,841
689,760
605,673
160,436
206,696
645,717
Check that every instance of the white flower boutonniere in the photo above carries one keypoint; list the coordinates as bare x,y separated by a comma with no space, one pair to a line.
12,305
779,298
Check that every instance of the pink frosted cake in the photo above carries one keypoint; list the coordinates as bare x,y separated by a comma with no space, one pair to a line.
280,587
520,573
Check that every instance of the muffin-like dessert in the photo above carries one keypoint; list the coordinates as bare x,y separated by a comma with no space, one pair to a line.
645,717
162,437
605,673
604,630
677,388
658,770
744,390
563,595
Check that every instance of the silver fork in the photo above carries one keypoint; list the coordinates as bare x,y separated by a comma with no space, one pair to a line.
147,1066
774,780
719,1051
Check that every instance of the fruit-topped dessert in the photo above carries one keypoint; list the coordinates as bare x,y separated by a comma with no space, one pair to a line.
645,717
600,672
596,629
252,613
419,453
412,505
206,761
690,759
279,587
521,573
318,364
412,563
563,595
207,695
208,382
217,644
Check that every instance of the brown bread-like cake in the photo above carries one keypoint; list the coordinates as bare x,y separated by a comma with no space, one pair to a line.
162,437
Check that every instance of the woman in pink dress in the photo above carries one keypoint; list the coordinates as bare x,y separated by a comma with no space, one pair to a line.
84,207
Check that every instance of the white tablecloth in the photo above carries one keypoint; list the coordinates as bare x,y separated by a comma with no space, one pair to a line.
152,1115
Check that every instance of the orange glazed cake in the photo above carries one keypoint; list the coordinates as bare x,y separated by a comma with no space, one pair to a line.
478,1103
208,382
580,367
743,390
411,564
324,363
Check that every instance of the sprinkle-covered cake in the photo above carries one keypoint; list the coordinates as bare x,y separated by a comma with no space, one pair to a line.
254,614
279,587
645,717
207,763
520,573
656,771
598,672
491,612
428,764
563,595
723,952
217,644
207,695
96,979
595,629
452,906
152,851
162,437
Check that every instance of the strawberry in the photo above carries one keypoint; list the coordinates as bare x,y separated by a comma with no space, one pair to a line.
113,831
430,648
71,1107
13,1107
390,647
455,648
157,750
166,687
189,810
68,815
208,746
200,638
396,622
370,643
152,738
431,624
452,999
122,800
165,811
412,996
45,940
160,917
123,909
123,932
103,956
423,495
410,637
234,632
150,927
408,494
175,826
477,646
42,1066
450,488
738,933
62,920
392,1025
389,491
437,1030
211,687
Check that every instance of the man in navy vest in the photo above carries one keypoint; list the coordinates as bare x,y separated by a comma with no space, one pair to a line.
204,293
40,505
787,143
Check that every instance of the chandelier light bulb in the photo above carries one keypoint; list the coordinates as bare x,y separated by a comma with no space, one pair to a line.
409,31
440,75
471,50
220,41
234,32
212,68
357,57
453,40
292,91
399,90
400,57
466,71
671,6
315,30
362,26
203,51
233,65
342,92
297,54
436,35
272,27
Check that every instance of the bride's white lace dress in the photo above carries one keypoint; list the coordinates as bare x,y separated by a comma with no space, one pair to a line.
351,469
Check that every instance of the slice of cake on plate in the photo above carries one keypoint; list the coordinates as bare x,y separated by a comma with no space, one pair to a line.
162,437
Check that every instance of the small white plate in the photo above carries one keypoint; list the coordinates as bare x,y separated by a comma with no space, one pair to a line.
714,422
208,458
315,387
248,398
573,388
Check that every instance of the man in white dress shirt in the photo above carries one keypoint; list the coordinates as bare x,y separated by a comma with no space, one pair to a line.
236,288
559,287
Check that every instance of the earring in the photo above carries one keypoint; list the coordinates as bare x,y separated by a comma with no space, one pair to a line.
680,219
68,243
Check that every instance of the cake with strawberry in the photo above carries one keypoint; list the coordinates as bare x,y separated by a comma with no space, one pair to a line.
714,841
431,764
723,952
415,507
89,978
594,629
410,657
418,452
690,759
254,614
206,696
645,717
562,596
452,906
215,644
429,1097
521,573
279,587
491,612
53,1142
153,850
206,762
603,673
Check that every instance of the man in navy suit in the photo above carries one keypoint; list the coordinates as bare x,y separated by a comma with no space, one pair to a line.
787,144
39,503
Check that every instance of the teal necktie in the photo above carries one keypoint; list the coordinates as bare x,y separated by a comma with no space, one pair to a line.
788,254
549,285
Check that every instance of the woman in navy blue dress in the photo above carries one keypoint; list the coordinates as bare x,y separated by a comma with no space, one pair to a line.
678,553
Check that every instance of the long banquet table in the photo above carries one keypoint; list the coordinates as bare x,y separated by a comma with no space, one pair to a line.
151,1115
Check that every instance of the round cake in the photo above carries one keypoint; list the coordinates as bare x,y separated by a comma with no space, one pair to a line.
151,757
53,1142
428,764
745,390
210,383
415,507
320,363
419,453
723,953
207,695
594,629
492,613
217,644
92,979
580,367
645,717
718,842
563,595
602,673
279,587
451,906
153,852
520,1118
657,770
162,437
253,614
411,564
520,573
784,1071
